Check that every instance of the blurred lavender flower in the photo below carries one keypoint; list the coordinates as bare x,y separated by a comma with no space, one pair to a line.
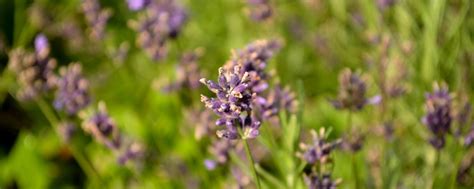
103,128
438,116
210,164
66,130
96,18
352,92
163,20
134,151
72,94
35,72
259,10
254,59
469,138
187,72
278,99
353,142
136,5
203,121
233,104
220,152
319,150
315,181
42,47
243,181
384,4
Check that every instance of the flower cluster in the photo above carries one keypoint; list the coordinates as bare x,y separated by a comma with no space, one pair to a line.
35,71
232,103
319,150
438,116
73,90
254,59
161,21
314,181
318,154
259,10
352,92
104,129
96,18
277,99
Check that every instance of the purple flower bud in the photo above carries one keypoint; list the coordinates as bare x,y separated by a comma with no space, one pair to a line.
42,46
136,5
210,164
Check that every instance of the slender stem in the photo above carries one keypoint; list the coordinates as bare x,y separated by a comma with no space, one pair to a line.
433,171
83,162
457,160
354,171
354,162
252,166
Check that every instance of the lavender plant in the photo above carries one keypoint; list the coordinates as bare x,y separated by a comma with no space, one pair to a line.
317,155
162,20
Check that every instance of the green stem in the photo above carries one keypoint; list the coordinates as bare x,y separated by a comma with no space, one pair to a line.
354,171
433,171
83,162
252,166
457,161
354,162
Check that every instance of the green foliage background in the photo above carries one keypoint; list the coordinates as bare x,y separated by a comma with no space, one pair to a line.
320,39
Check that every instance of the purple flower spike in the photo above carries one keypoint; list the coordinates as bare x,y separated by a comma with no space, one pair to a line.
320,149
352,92
233,104
35,72
438,116
259,10
103,128
161,21
314,181
96,18
72,94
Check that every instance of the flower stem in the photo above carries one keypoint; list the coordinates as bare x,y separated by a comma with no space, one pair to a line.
354,171
81,159
354,162
252,166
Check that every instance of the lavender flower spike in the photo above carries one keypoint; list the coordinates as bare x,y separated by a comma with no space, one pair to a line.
438,116
232,104
319,150
103,128
34,71
96,18
352,91
72,94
